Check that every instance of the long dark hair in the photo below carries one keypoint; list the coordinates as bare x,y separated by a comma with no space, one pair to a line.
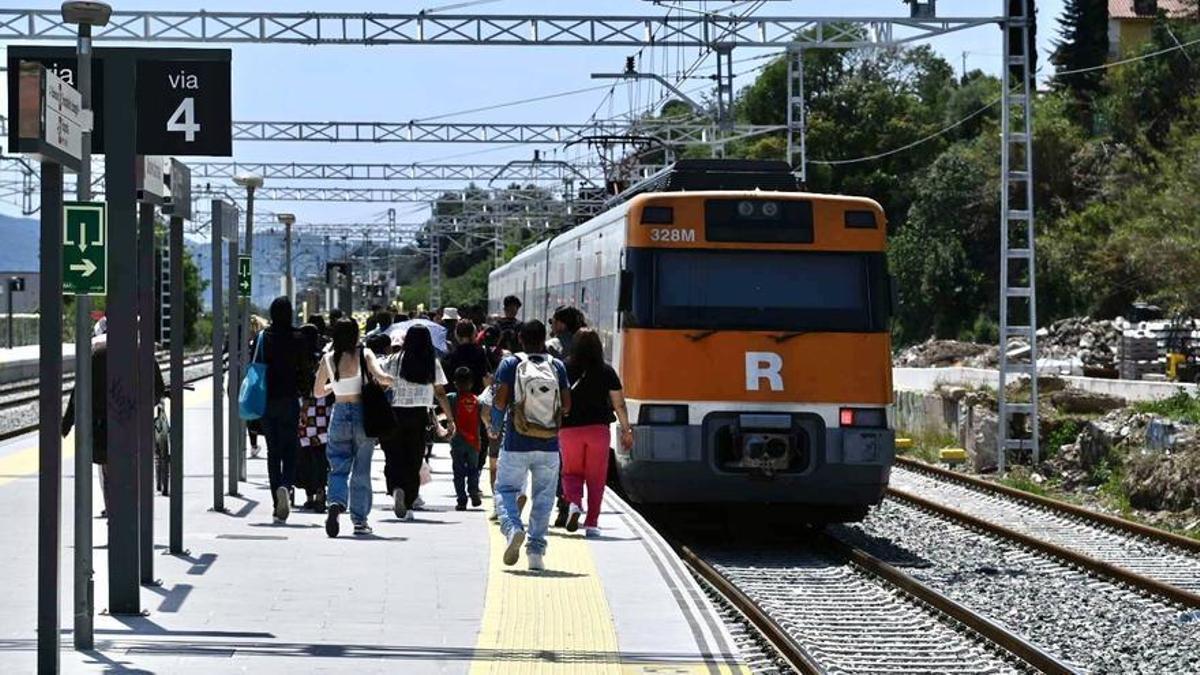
345,340
419,359
587,355
281,314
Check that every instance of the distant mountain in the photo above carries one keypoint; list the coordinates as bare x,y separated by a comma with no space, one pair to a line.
19,239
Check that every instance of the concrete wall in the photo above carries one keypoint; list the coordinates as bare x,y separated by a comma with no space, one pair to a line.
928,379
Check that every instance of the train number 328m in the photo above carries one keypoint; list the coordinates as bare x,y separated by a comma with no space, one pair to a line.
672,234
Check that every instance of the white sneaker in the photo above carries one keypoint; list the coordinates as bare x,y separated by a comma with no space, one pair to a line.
513,551
592,532
409,517
573,518
535,562
283,503
419,504
398,503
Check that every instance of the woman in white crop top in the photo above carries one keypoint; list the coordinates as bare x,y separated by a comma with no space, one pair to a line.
417,380
349,449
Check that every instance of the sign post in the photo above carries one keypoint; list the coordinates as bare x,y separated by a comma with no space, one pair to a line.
15,285
180,209
85,248
50,125
235,343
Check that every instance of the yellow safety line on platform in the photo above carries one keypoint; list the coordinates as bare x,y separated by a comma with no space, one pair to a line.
24,462
557,621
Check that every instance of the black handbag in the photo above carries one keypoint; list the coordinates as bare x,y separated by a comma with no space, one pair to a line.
378,419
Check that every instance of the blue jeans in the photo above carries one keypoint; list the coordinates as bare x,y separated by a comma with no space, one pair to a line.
465,461
510,480
349,451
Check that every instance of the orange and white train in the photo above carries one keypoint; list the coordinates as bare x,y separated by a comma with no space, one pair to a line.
750,328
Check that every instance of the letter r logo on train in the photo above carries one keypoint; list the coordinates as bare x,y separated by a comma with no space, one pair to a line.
764,366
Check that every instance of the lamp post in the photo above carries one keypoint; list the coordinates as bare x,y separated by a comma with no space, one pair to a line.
287,219
251,182
84,15
237,343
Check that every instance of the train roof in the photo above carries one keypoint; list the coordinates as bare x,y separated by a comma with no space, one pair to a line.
688,175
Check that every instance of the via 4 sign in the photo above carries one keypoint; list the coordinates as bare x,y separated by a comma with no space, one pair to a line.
85,248
243,276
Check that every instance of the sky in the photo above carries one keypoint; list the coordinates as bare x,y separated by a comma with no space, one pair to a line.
401,83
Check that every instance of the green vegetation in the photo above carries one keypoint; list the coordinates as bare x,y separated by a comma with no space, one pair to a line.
1020,480
926,444
1065,433
1181,407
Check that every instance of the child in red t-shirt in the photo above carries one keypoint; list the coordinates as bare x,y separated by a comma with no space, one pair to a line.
464,445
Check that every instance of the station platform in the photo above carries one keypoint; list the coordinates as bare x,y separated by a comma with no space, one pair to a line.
427,596
21,363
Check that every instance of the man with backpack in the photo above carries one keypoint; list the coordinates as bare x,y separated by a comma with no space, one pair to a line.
534,390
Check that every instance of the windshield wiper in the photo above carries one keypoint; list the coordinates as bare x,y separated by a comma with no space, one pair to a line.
696,337
784,337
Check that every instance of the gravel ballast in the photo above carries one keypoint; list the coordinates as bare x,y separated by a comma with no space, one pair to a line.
1081,619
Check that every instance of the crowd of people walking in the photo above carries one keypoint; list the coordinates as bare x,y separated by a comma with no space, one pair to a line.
535,410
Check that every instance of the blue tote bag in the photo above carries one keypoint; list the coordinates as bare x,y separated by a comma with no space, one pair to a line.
252,397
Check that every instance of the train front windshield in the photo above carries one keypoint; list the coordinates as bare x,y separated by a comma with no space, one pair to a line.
760,290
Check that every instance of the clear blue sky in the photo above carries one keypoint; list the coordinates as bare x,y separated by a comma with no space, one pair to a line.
325,83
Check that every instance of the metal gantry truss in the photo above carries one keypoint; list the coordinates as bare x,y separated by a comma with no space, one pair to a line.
337,28
531,172
667,131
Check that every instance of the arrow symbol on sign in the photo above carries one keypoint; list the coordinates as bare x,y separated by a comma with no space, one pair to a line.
87,267
83,238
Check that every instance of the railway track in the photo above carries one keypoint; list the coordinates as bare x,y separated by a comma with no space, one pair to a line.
21,430
17,393
1152,560
827,606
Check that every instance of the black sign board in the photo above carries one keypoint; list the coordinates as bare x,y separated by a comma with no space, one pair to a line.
184,108
331,268
61,62
16,284
183,97
180,181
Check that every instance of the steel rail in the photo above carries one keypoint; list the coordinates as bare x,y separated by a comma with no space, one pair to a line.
990,630
1099,567
1073,510
795,654
14,402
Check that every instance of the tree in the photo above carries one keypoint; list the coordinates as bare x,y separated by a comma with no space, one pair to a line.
193,288
1083,43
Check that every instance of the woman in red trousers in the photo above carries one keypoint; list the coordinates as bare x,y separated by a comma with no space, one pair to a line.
585,432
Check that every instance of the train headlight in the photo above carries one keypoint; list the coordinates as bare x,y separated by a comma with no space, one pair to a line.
745,209
770,209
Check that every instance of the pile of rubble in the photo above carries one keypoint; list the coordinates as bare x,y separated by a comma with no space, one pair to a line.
1076,340
943,354
1093,343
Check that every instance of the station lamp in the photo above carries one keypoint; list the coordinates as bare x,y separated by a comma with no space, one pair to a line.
86,13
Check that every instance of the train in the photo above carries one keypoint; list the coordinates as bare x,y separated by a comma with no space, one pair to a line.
750,324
